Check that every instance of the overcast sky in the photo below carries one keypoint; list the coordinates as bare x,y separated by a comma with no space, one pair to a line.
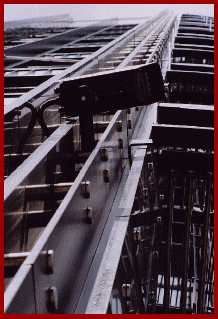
100,11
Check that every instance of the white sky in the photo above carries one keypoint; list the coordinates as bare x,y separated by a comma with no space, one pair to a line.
100,11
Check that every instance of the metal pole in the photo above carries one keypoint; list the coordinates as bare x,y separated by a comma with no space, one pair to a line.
86,118
186,247
210,264
194,293
201,287
119,285
136,273
167,273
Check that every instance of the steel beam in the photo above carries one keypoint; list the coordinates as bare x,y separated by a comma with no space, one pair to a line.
202,275
87,255
183,136
167,272
187,247
105,278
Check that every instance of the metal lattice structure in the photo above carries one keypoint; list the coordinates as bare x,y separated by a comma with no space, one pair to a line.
125,226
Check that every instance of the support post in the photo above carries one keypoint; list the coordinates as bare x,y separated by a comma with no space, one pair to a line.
167,272
186,246
201,287
86,100
136,273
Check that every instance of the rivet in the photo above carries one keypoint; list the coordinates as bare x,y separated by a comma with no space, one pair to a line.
119,126
126,290
145,192
61,110
161,197
57,90
50,262
137,236
159,219
88,215
155,254
132,312
86,189
106,175
120,141
151,296
129,125
52,299
104,154
150,167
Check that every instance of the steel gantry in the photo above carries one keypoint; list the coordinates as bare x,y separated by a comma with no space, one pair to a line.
122,223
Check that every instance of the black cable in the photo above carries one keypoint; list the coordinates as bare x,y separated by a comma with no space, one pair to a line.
41,110
30,126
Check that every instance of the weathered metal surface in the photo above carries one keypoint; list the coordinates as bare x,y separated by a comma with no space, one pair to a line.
22,174
105,277
19,298
77,228
100,295
32,171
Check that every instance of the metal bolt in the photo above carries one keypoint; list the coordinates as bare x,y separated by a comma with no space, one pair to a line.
86,189
126,290
155,254
57,90
131,312
106,175
129,125
50,262
151,296
137,108
52,299
119,126
161,197
137,236
150,167
145,192
88,214
159,219
104,154
61,110
120,141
